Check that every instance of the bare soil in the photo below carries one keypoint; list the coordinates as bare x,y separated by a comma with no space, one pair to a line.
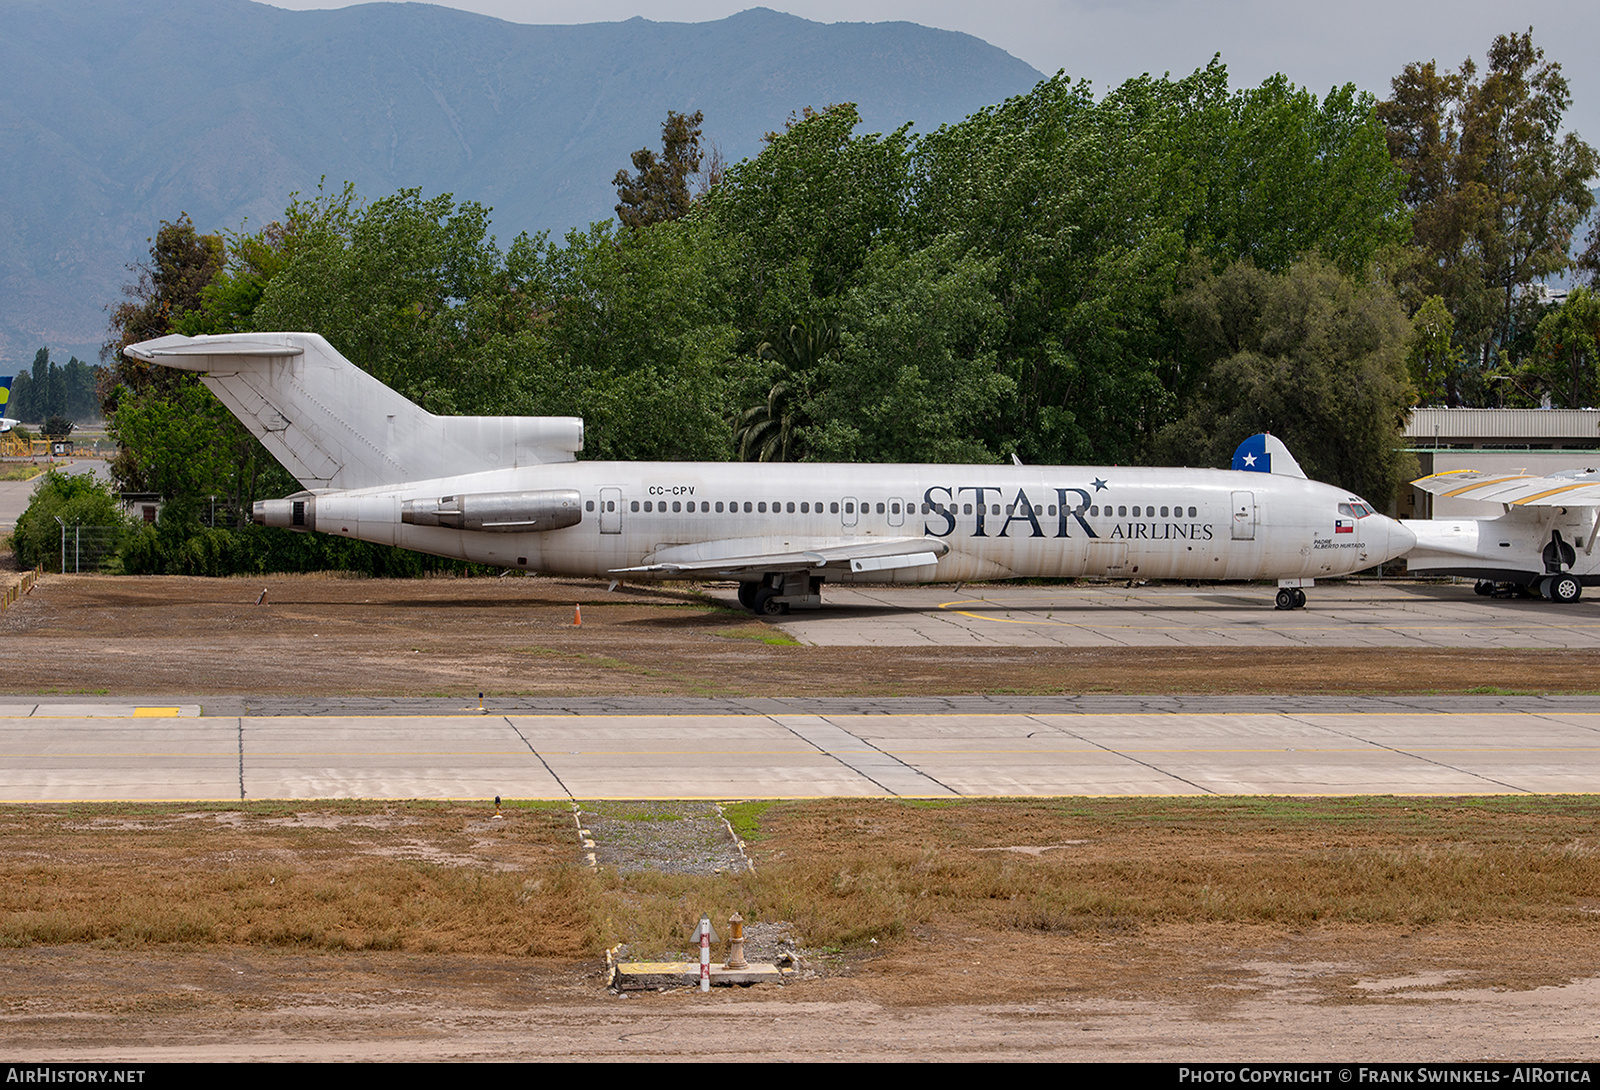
952,982
334,636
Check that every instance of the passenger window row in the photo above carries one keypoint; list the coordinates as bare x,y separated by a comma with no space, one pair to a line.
806,507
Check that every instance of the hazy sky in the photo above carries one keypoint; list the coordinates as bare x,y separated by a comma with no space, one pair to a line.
1317,45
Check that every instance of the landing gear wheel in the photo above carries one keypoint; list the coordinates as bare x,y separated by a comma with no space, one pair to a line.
1484,587
1286,598
747,594
767,603
1564,589
1299,598
1543,588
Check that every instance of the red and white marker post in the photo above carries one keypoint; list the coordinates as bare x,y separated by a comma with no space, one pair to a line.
705,953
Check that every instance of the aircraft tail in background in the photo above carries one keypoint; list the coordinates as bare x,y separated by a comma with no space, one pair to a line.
6,423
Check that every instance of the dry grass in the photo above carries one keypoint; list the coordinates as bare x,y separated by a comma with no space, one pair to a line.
451,879
436,878
1074,864
20,471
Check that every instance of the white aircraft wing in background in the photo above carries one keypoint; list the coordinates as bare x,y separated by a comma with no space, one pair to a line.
1570,488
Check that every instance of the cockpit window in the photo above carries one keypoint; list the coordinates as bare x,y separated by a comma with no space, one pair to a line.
1355,510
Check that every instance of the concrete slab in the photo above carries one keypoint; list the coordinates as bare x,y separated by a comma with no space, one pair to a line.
1364,614
118,758
457,757
786,755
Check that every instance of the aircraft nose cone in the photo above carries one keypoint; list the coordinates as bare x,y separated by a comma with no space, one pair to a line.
1401,538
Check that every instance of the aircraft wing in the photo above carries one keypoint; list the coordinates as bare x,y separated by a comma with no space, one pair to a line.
732,557
1570,488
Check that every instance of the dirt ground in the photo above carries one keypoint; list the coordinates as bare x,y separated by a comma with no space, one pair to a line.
1167,989
456,637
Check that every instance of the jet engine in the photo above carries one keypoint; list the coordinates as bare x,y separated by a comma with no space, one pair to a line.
498,512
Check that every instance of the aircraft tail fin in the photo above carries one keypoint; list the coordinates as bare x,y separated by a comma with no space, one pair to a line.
5,398
1265,453
334,426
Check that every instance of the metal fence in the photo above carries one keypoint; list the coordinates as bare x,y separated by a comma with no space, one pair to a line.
87,548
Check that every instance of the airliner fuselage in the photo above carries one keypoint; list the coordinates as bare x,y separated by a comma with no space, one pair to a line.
509,491
983,522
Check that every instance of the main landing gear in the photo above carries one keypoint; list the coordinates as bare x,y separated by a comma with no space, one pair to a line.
1291,598
778,594
1561,588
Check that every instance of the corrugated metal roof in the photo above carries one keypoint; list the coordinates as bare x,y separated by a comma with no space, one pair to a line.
1461,425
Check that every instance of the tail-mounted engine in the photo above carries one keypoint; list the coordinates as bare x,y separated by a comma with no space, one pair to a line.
498,512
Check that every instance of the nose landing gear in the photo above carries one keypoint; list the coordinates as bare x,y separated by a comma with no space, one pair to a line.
1291,598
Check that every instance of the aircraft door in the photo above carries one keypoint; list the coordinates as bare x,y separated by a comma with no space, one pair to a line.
1244,516
897,509
611,510
847,511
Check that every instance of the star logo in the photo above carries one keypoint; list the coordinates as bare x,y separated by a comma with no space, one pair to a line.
1249,459
1099,485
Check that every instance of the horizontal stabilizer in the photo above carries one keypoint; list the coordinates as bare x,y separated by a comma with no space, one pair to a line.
336,427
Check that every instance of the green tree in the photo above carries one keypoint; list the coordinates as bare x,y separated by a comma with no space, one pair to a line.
805,213
408,289
636,337
1088,211
228,302
917,377
1313,356
1436,362
1565,364
1496,188
78,500
1285,173
770,431
39,390
168,286
660,189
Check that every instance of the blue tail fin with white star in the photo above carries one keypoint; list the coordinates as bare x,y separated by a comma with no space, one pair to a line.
1265,453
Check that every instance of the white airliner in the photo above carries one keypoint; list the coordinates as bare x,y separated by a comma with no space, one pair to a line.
509,491
1543,539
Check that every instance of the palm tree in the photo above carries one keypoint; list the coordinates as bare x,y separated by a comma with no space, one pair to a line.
769,432
774,431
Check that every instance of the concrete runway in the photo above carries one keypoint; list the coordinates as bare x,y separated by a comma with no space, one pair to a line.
1369,613
16,495
60,748
1422,746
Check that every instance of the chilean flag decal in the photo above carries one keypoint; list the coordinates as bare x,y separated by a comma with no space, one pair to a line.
1344,526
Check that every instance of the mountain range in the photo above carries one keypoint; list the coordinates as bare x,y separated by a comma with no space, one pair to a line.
118,114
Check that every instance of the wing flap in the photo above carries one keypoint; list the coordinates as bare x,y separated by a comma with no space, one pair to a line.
733,557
